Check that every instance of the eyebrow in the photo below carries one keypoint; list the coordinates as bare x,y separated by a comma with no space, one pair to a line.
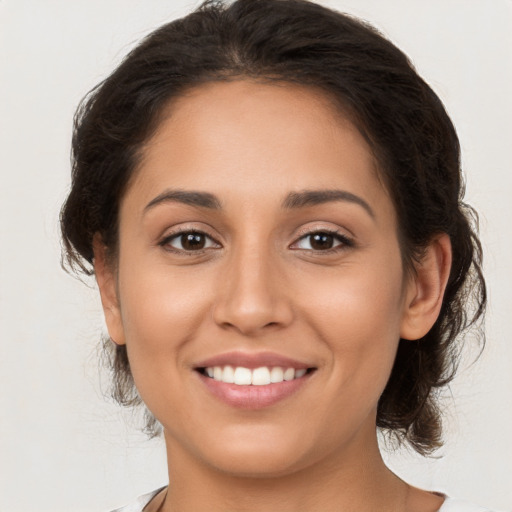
315,197
189,197
293,200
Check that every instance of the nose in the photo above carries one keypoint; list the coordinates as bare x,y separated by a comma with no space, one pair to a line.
252,297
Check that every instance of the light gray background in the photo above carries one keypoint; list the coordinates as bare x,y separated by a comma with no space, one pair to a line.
62,446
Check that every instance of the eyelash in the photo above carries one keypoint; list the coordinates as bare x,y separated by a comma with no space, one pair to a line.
345,242
165,242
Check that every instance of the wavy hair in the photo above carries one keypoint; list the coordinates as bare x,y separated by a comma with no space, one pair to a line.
375,86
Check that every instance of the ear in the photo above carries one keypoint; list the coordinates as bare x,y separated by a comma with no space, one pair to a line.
425,289
107,283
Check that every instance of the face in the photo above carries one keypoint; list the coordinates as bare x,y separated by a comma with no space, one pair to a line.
258,245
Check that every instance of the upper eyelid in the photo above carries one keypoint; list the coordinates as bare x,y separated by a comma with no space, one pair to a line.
325,231
346,241
180,229
331,231
325,227
169,236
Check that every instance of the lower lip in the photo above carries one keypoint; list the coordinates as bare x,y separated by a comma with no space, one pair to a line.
253,397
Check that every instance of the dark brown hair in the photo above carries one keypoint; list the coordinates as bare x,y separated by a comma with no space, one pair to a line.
403,120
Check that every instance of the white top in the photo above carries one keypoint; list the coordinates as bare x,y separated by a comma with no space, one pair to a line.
449,505
454,505
139,504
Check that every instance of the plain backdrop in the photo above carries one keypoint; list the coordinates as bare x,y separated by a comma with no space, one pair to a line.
63,447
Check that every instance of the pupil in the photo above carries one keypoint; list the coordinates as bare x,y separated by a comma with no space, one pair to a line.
321,241
192,241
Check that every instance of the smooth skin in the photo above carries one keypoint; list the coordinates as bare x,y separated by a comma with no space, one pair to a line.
257,280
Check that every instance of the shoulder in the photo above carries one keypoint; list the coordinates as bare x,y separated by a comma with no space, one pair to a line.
456,505
139,504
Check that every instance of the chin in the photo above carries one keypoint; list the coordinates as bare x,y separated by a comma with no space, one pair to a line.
258,456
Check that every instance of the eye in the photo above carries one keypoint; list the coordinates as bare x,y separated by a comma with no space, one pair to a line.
189,241
322,241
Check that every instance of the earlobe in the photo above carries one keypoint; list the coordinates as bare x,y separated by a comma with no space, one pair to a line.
106,279
424,296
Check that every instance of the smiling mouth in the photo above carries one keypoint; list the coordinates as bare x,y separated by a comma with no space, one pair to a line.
262,376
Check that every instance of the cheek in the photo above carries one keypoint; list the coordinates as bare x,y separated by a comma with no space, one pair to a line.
358,316
161,311
359,302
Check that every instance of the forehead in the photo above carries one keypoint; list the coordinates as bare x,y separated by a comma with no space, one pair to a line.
249,138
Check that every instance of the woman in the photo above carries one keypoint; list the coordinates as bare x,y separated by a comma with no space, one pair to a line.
270,199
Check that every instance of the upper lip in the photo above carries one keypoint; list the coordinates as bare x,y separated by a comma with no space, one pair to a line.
252,360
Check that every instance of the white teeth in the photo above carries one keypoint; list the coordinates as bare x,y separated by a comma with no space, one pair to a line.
289,374
243,376
276,374
261,376
228,375
257,377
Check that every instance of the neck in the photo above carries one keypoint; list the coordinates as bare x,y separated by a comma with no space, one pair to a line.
356,478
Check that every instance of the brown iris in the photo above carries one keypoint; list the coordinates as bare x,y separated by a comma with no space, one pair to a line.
321,241
193,241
